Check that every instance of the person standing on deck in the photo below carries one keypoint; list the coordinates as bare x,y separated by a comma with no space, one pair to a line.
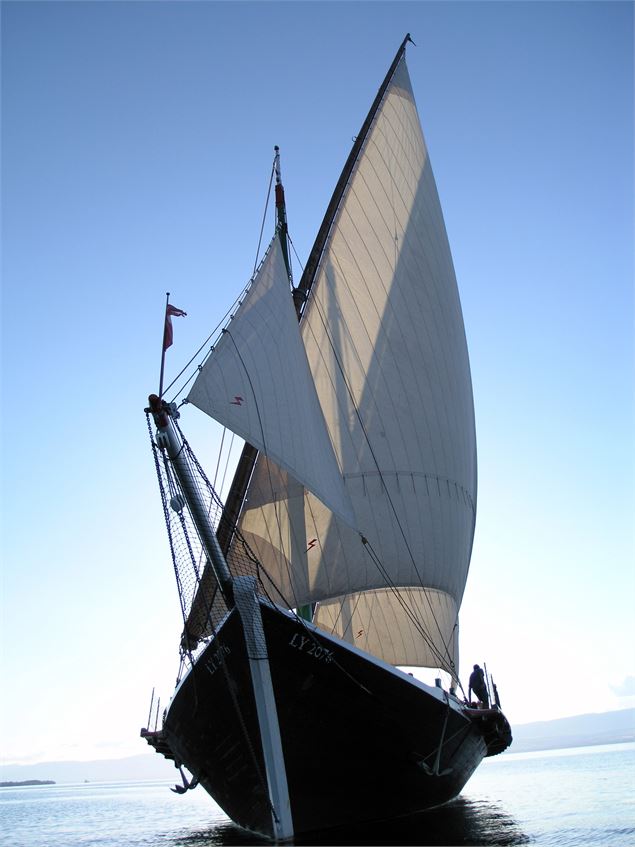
477,685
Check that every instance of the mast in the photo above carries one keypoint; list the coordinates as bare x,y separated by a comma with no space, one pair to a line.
281,215
248,457
305,612
245,466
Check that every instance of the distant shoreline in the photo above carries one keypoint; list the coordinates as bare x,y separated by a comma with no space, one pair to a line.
550,746
24,782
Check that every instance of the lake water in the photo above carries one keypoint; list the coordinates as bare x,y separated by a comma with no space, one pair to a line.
576,797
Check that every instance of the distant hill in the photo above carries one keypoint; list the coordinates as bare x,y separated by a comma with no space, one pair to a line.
146,766
578,731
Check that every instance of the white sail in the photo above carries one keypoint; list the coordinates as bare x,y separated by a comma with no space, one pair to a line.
385,341
257,383
395,636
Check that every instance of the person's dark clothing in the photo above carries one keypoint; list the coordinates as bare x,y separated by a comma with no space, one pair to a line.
477,685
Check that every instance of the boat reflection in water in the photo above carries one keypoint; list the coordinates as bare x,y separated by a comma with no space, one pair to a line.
462,821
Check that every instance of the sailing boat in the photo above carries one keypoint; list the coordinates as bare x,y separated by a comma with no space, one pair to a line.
342,551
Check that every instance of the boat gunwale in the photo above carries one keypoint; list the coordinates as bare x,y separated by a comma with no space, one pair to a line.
434,691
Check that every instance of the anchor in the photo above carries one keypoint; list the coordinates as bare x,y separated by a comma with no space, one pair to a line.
181,789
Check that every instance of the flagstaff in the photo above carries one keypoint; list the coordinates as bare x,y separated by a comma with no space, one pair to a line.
168,334
163,347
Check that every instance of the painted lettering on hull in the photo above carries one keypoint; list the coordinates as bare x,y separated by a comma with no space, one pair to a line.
217,658
308,645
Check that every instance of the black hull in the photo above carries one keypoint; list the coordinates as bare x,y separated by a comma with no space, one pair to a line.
360,740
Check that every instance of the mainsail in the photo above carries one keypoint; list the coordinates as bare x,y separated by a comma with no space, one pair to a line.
386,351
384,336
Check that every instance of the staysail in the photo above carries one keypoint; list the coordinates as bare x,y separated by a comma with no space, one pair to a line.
257,383
384,336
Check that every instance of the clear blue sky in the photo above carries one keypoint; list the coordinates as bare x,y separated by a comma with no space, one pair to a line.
136,149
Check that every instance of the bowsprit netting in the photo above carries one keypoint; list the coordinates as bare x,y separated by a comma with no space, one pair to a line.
203,605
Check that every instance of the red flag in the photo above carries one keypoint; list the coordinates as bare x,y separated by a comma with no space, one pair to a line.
168,333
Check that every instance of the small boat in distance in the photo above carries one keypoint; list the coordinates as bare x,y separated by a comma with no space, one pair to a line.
341,553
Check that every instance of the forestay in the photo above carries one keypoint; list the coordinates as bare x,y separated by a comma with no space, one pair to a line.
384,336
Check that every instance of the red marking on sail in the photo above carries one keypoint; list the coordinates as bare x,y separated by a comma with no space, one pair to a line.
168,332
237,401
312,544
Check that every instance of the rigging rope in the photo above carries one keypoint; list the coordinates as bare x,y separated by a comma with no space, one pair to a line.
264,217
295,252
397,592
220,453
229,453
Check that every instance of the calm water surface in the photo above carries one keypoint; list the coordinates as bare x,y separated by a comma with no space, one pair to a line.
584,796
